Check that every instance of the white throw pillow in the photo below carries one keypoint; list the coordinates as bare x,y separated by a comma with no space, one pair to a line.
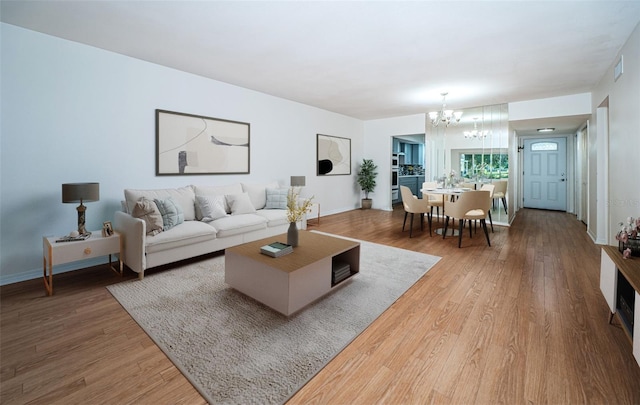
240,204
277,198
257,193
211,206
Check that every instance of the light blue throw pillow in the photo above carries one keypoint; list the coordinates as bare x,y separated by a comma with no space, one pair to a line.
172,213
277,198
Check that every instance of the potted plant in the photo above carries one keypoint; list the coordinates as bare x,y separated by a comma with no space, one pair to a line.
367,180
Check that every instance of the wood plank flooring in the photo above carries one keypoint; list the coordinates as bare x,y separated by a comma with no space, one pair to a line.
522,321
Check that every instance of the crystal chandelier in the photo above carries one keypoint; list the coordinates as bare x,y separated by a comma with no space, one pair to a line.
476,134
445,116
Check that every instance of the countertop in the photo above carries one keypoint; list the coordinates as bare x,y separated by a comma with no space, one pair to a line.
411,175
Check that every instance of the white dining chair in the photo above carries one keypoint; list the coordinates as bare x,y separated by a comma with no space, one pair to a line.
414,205
470,206
435,200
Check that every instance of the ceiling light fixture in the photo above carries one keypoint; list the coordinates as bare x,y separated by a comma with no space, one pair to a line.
476,134
444,115
546,129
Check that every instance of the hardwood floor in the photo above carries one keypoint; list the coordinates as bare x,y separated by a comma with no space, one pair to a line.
522,321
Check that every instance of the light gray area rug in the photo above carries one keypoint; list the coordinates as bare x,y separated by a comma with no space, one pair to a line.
238,351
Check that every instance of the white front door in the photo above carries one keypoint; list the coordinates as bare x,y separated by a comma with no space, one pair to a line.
545,173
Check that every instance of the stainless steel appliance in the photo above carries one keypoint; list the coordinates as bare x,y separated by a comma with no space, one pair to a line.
394,184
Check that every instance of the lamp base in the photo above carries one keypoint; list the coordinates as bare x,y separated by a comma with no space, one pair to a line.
81,218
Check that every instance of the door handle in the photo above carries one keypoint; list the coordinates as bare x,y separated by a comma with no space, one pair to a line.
561,179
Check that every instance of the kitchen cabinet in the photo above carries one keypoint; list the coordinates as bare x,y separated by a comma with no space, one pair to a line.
407,149
396,146
413,182
413,153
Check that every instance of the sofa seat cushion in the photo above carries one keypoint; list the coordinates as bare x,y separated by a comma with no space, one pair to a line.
237,224
186,233
274,217
184,196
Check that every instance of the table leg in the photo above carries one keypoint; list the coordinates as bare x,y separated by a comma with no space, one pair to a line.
48,278
115,270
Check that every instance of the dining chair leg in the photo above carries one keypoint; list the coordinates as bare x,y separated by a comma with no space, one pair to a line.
430,218
486,233
446,224
470,229
405,220
490,220
504,203
421,221
461,222
411,226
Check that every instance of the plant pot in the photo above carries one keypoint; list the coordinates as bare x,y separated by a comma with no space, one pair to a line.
366,203
631,243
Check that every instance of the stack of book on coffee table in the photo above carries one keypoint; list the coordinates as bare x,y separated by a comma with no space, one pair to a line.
276,249
340,271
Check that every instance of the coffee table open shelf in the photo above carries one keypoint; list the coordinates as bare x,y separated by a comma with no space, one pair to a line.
290,282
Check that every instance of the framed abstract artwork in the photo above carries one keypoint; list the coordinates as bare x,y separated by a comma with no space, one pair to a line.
333,155
188,144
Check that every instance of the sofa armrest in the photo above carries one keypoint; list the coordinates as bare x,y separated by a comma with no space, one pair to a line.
133,233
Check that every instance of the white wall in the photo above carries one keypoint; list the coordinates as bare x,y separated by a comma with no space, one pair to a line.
378,134
74,113
564,106
623,199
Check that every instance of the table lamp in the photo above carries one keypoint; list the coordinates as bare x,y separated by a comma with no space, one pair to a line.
80,192
298,181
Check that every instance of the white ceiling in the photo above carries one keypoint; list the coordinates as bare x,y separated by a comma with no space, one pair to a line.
364,59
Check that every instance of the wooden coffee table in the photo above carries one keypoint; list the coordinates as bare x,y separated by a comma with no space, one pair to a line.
290,282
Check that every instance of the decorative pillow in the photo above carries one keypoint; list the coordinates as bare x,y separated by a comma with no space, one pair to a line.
183,196
257,193
211,206
219,190
240,204
277,198
148,211
171,212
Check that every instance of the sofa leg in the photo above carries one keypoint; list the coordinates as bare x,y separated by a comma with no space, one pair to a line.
141,275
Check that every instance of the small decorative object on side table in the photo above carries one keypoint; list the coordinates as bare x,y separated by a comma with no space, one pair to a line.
629,237
96,245
107,229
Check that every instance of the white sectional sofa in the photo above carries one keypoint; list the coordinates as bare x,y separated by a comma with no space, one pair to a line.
212,218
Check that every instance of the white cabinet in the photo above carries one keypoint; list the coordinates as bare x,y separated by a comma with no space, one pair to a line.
622,275
608,280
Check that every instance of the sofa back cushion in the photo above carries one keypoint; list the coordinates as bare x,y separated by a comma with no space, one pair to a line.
258,193
184,196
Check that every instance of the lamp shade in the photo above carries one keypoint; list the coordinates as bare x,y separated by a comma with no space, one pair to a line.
80,192
298,181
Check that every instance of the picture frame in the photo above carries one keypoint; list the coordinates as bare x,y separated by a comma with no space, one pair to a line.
333,155
107,229
189,144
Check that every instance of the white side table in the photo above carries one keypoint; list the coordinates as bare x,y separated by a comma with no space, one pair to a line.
96,245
